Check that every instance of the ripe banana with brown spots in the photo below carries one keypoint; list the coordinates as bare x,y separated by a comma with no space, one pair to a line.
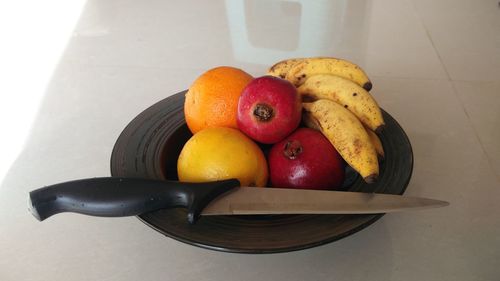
377,144
281,68
304,68
346,133
345,92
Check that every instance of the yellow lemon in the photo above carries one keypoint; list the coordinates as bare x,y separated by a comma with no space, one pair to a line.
220,153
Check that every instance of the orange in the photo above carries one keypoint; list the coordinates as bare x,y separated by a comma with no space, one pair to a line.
212,100
220,153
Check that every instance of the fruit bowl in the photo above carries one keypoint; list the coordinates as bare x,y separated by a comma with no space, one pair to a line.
150,145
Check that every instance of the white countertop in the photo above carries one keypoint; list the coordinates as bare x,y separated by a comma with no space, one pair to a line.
435,68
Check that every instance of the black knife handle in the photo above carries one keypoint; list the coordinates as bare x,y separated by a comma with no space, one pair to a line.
120,197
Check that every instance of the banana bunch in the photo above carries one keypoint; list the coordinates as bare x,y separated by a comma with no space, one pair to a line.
336,102
297,70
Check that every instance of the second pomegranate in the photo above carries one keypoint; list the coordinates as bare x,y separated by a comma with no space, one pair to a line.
269,109
306,159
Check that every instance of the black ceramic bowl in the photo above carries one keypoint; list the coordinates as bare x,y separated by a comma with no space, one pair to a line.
150,145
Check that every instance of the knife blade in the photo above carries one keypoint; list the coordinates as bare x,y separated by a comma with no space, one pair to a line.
118,197
260,201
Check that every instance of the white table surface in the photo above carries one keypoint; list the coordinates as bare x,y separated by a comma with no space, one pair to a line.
435,68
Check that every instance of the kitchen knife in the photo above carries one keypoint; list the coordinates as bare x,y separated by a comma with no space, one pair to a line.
118,197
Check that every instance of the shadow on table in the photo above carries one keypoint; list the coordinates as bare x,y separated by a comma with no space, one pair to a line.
366,255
